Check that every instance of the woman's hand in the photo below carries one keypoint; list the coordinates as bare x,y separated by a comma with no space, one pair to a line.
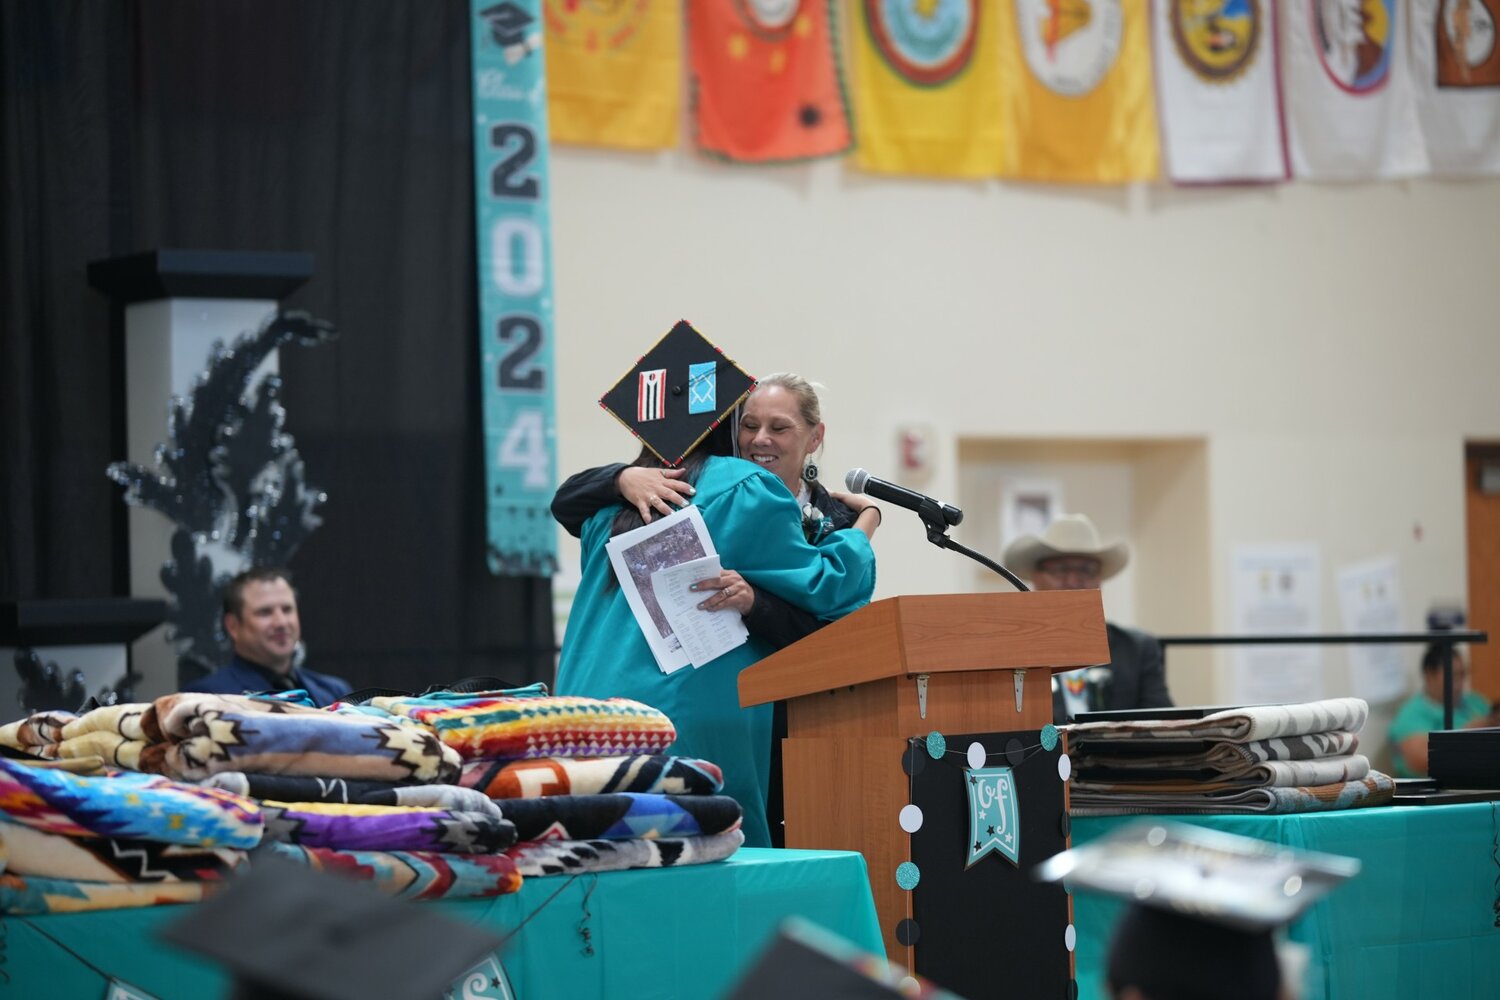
859,503
649,490
730,591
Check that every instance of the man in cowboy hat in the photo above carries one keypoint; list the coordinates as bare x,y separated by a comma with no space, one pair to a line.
1070,556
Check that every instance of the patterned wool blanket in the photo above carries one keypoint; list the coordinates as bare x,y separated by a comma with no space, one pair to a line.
508,727
27,851
127,806
622,816
31,895
205,734
529,779
411,874
388,828
301,788
574,857
1374,789
1226,758
122,720
1267,774
1237,725
38,733
111,748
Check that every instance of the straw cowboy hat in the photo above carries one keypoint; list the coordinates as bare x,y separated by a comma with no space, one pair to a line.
1067,535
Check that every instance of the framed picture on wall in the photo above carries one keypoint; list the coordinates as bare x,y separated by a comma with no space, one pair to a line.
1027,506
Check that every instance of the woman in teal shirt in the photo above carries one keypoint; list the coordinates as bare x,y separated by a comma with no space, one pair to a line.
1423,712
756,527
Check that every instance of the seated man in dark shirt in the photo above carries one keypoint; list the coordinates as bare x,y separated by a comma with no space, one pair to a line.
260,615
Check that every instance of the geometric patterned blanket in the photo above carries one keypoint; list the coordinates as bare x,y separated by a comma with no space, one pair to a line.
1237,725
624,816
126,805
410,874
38,733
28,851
1372,790
499,726
529,779
31,895
1226,758
538,858
387,828
1266,774
303,788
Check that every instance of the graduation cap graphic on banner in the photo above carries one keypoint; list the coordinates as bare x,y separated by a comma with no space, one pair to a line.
677,393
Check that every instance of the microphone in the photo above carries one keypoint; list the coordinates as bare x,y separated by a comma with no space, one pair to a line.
860,481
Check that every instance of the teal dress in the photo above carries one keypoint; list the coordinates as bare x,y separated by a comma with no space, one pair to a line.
1420,714
756,528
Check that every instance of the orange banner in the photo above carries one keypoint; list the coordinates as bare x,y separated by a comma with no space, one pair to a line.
766,83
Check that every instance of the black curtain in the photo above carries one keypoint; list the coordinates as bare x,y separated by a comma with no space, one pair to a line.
338,128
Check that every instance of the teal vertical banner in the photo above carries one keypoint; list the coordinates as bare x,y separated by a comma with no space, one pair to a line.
514,228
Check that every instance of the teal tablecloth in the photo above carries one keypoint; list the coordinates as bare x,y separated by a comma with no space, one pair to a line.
1418,921
656,934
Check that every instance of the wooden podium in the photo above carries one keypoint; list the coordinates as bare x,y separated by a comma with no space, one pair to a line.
859,688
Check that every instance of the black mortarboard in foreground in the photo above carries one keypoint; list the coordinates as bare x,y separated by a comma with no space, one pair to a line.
677,393
806,962
288,931
1204,904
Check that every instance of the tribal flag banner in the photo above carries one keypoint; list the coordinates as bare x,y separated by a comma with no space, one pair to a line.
1347,86
766,85
1076,79
926,87
1456,76
613,71
1218,90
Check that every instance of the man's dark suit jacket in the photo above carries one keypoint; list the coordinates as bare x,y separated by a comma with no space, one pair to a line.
1138,673
241,676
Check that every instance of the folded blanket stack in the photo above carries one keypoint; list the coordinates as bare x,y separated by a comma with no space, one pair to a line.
74,842
1260,759
38,734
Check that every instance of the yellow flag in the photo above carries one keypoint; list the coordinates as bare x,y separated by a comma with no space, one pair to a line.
926,87
613,72
1076,85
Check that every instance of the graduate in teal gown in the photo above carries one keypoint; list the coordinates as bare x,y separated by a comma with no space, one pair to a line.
757,531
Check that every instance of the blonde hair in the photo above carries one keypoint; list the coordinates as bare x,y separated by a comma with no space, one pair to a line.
808,405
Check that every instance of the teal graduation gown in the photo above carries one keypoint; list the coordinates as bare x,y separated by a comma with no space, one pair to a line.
756,528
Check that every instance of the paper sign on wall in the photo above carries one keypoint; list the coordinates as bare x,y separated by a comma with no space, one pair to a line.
1275,590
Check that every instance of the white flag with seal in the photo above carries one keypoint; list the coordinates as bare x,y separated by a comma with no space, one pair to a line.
1351,112
1456,72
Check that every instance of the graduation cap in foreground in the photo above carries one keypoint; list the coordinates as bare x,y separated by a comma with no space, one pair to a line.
1203,905
677,393
806,962
287,931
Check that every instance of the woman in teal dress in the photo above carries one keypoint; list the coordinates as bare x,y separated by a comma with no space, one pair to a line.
756,527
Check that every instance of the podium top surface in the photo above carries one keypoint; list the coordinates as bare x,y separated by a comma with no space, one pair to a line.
200,274
84,622
936,633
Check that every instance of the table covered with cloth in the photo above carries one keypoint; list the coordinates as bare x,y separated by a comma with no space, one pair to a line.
1418,920
655,934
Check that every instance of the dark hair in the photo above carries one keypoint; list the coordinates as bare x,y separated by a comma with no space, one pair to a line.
234,590
1435,653
719,441
1173,956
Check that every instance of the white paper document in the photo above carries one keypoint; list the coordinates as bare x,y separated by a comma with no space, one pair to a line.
638,556
1370,601
1275,591
704,635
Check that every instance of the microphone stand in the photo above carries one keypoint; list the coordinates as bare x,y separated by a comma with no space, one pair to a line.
937,533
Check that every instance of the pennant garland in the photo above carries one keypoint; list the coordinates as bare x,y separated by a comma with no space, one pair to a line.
613,71
1456,69
994,814
766,84
1218,90
1350,110
926,87
1076,79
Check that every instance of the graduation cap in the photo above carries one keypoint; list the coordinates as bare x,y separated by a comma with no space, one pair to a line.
806,962
1203,905
290,932
677,393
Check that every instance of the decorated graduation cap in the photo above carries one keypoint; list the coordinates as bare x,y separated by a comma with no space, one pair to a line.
1203,905
806,962
289,932
677,393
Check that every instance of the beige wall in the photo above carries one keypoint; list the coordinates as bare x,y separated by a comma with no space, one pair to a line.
1318,353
